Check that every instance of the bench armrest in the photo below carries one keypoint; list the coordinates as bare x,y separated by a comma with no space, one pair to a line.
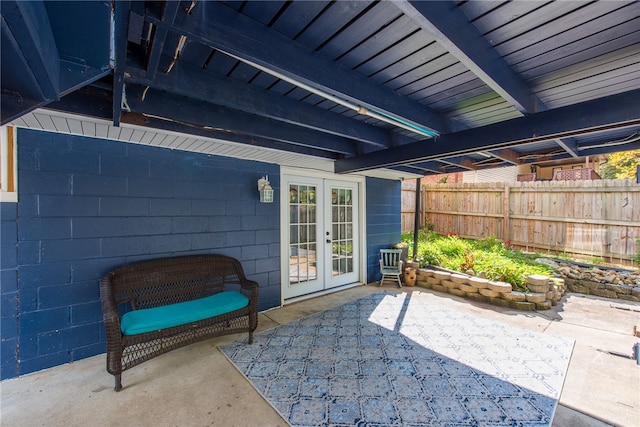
250,288
110,314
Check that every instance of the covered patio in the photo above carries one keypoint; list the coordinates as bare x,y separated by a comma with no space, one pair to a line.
198,386
133,130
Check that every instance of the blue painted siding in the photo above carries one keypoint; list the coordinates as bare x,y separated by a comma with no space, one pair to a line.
383,208
89,205
9,302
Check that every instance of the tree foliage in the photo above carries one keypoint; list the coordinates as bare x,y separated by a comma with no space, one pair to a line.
621,165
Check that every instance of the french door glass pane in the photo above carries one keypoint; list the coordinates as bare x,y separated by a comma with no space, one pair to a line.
342,231
302,233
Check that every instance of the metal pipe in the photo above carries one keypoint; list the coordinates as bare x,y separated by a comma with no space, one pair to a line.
384,117
416,219
628,140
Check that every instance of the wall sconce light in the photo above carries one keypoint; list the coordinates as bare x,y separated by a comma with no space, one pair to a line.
266,192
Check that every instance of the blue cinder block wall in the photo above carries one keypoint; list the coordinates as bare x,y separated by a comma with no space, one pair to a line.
383,215
88,205
8,290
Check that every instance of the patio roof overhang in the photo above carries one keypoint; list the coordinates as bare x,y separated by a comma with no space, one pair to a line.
410,86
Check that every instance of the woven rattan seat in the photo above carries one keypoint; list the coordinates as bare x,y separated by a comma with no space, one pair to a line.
166,281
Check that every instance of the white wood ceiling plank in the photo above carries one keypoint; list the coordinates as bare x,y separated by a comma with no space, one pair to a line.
75,126
45,121
61,124
88,128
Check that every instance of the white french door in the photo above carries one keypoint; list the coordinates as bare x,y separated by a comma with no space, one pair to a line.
321,234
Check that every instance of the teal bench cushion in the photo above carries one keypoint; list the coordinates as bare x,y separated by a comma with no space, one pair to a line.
153,319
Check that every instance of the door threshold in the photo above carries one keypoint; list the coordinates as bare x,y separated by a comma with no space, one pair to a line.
321,293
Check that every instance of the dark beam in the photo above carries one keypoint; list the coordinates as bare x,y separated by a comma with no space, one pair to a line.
194,82
430,166
544,158
451,29
95,102
221,27
121,22
36,70
28,23
460,162
507,155
20,90
87,101
190,129
216,117
160,36
568,145
76,75
411,169
599,149
613,111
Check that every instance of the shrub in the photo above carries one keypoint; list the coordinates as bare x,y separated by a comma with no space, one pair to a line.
429,254
454,246
506,271
469,261
490,244
490,255
511,270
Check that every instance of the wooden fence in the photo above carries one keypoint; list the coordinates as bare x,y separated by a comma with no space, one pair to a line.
593,218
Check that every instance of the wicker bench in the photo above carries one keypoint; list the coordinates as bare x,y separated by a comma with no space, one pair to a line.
152,307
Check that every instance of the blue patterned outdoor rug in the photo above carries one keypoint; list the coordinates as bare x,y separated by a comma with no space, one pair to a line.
398,360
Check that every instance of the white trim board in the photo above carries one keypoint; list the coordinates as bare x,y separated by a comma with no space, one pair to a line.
54,121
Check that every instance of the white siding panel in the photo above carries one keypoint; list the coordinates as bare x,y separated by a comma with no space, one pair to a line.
61,124
137,135
73,124
31,121
102,130
504,174
88,128
114,132
46,122
147,137
125,134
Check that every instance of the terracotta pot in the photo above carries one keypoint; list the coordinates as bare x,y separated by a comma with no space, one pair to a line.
410,276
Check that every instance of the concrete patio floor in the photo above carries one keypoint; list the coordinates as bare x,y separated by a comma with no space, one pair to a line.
197,386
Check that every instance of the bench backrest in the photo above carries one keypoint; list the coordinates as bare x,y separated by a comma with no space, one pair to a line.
165,281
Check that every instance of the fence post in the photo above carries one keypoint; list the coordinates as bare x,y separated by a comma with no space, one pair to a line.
416,219
506,226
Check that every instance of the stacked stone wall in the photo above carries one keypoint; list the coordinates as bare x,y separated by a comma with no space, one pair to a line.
546,291
607,283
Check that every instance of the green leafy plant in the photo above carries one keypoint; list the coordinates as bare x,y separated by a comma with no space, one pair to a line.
595,260
428,254
428,226
469,261
454,246
637,257
621,165
491,244
564,256
498,261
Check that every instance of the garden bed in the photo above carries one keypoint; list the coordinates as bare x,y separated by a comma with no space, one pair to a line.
544,291
479,269
489,258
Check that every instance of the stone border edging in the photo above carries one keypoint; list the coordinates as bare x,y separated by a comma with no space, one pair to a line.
599,281
547,290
